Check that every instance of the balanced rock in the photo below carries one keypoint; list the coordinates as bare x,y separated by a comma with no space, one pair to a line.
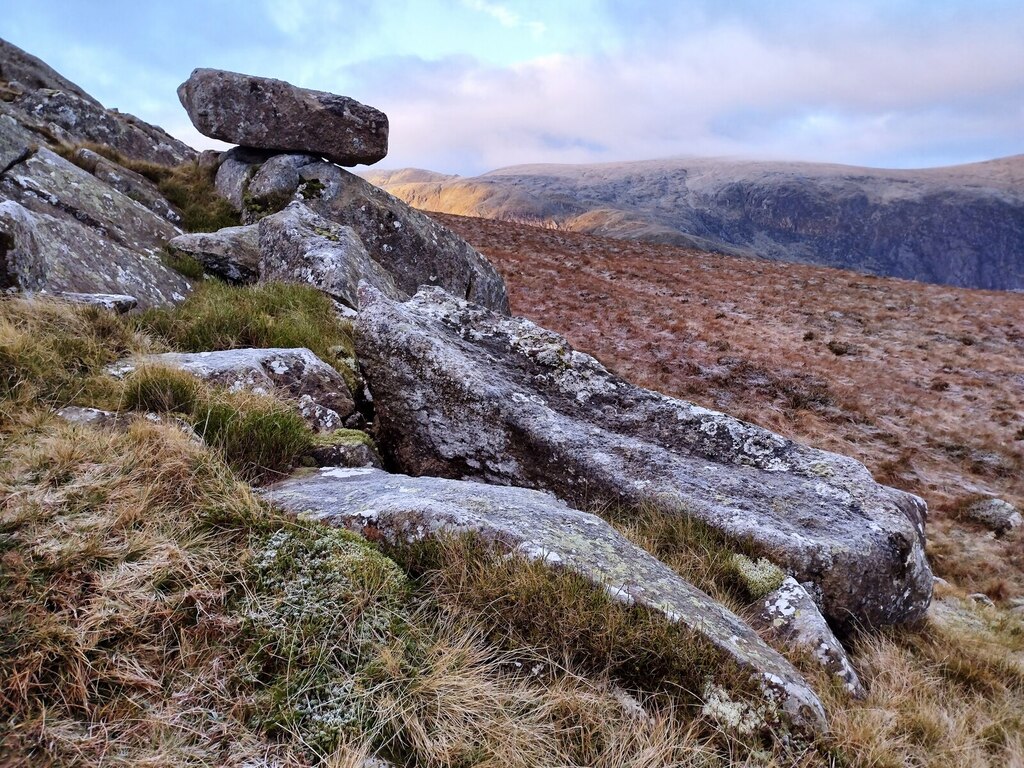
790,618
320,392
271,114
462,392
538,526
413,248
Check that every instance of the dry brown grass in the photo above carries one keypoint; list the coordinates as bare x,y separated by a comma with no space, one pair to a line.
928,394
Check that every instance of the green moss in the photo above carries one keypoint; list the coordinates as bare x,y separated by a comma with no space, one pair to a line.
311,189
757,578
258,207
352,437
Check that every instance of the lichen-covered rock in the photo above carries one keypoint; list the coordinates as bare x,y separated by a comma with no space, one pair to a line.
58,253
298,246
232,253
790,617
115,302
345,448
413,248
127,182
538,526
460,391
320,392
273,185
997,515
272,114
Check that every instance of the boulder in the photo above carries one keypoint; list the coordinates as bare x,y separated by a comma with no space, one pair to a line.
273,185
58,253
272,114
320,392
412,247
232,253
345,448
127,182
791,619
298,246
115,302
997,515
538,526
462,392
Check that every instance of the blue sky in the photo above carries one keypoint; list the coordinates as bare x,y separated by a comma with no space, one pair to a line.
472,85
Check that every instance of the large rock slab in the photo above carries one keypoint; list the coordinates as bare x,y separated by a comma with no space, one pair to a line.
413,248
299,246
460,391
320,392
401,509
272,114
127,182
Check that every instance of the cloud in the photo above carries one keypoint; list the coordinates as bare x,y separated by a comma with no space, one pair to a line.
504,16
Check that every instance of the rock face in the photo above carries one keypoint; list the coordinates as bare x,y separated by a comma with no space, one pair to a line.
299,246
321,394
398,508
272,114
962,225
62,229
414,249
53,107
127,182
462,392
232,253
791,618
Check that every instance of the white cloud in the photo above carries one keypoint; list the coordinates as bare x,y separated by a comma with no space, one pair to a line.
505,16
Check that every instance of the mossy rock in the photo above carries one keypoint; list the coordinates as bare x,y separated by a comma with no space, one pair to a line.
345,448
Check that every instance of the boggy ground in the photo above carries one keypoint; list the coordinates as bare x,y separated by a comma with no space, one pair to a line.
923,383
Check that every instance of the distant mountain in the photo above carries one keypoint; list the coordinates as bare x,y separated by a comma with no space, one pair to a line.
961,225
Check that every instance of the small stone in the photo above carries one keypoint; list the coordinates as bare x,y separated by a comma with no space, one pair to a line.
982,599
997,515
115,302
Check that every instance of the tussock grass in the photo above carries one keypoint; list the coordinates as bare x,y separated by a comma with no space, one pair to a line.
218,316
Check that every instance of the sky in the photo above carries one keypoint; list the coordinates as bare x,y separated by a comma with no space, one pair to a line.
473,85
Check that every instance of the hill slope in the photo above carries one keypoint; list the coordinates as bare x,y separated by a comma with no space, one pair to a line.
962,225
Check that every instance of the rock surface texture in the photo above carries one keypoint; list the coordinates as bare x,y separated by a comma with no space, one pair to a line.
320,392
231,253
414,249
462,392
997,515
400,509
271,114
791,618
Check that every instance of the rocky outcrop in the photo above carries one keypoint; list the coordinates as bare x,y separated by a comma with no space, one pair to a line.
232,253
55,109
962,225
271,114
791,619
299,246
321,394
414,249
127,182
462,392
63,229
401,509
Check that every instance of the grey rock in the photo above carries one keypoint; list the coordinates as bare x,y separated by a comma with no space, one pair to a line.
16,143
981,599
790,617
58,253
232,253
997,515
273,185
127,182
47,183
272,114
538,526
412,247
93,417
299,246
460,391
33,74
319,391
115,302
345,450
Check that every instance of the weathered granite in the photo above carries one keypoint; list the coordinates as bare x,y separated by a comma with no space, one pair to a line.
232,253
272,114
297,245
790,618
127,182
460,391
321,394
397,508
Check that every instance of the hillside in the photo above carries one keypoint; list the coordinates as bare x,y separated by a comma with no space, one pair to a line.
922,383
962,225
